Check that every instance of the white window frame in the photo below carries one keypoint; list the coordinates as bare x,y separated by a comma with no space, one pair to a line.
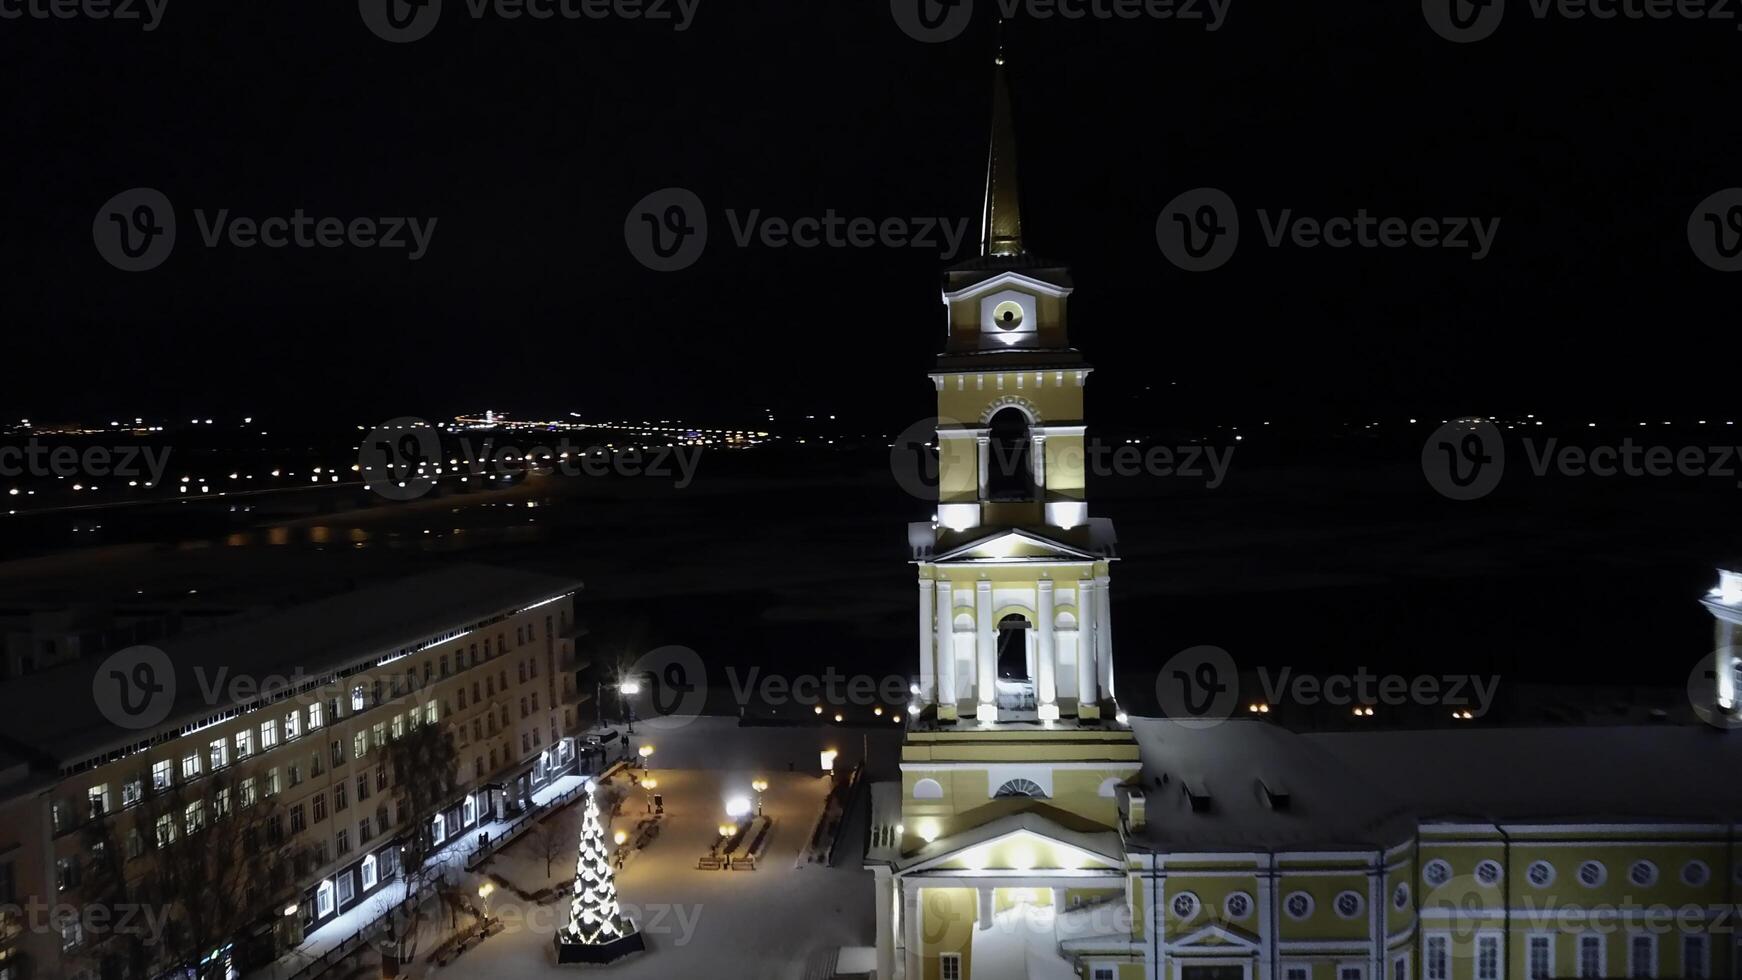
1297,971
268,734
1634,937
324,898
1530,941
950,966
314,716
293,724
1705,944
1352,970
1489,937
1099,970
1444,941
191,765
369,873
244,743
1602,954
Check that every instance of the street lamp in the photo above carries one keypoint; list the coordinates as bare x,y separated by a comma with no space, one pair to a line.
620,836
484,892
737,808
645,752
626,689
760,785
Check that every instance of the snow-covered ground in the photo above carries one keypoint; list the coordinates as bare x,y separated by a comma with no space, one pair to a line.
784,921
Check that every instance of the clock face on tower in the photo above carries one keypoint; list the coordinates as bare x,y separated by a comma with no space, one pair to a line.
1007,315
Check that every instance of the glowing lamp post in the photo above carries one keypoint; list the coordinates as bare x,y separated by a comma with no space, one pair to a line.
620,836
761,787
484,892
626,689
828,761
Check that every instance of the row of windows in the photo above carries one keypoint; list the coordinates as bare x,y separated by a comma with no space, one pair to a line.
1591,951
1591,874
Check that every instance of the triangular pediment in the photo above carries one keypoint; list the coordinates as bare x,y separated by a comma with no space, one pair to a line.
1025,842
1014,545
1008,280
1217,935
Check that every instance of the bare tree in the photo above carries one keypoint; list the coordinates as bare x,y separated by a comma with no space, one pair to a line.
425,777
554,837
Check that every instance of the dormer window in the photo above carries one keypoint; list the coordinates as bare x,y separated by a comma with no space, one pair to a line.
1007,316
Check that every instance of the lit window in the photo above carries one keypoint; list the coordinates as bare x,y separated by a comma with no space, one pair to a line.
324,898
165,830
359,745
357,698
244,743
190,765
293,724
268,734
218,753
369,872
162,775
99,799
314,716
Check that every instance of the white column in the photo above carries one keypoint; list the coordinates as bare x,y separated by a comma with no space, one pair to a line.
946,651
985,907
1037,454
1724,665
885,924
1266,920
1088,704
1104,633
986,653
928,673
912,928
1058,902
983,453
1046,673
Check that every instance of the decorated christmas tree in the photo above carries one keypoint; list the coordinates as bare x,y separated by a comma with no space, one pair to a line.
595,920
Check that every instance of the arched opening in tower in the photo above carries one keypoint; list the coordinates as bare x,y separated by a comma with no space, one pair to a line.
1013,648
1010,470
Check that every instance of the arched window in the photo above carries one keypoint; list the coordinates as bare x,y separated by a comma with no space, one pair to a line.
1021,787
1013,647
1010,470
928,789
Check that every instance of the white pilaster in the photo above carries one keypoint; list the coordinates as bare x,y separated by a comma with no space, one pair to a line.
1104,633
885,924
1037,453
1046,674
1088,704
983,453
985,920
927,634
946,650
912,928
986,650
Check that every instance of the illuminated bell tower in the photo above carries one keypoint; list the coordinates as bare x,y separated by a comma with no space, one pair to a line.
1013,572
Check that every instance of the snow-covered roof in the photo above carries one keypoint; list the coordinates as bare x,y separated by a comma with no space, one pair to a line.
1359,790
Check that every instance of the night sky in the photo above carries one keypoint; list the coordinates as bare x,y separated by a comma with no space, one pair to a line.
529,141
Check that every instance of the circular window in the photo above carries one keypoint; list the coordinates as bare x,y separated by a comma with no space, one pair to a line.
1592,874
1488,872
1185,905
1237,905
1540,873
1400,896
1436,873
1298,905
1642,873
1349,904
1695,873
1007,315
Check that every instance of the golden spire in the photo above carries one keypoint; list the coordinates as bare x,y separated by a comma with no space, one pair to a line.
1001,224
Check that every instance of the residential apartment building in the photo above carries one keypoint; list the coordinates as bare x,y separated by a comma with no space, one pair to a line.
267,765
